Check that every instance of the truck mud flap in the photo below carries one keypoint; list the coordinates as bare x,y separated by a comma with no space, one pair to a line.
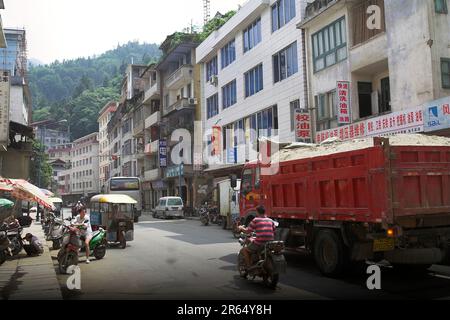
415,256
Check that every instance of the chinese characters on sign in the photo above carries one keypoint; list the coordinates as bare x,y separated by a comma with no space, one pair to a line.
406,121
302,125
4,107
343,96
163,153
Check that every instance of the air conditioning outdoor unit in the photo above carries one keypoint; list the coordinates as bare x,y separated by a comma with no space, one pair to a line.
193,101
214,80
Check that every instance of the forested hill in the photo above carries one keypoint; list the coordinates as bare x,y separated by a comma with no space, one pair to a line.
76,90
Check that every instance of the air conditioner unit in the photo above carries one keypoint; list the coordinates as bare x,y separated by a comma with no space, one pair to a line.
214,80
193,101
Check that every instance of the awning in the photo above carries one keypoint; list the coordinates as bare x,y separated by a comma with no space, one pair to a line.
113,198
23,190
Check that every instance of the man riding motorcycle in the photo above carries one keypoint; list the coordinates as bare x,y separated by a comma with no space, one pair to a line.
264,228
86,230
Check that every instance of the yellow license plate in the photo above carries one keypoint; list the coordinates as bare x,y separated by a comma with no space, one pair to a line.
381,245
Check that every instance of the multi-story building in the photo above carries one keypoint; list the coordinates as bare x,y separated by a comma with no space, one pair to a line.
372,64
84,173
105,116
60,160
146,128
252,80
115,142
51,134
179,78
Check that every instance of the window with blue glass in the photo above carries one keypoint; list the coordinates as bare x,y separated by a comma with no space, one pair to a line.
229,94
228,53
285,63
254,81
211,68
252,35
283,11
212,106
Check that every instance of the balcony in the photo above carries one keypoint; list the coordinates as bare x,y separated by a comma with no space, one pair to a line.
138,129
152,93
153,119
152,148
152,175
185,103
180,77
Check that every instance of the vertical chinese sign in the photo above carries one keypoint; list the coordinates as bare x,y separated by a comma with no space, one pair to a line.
215,140
302,125
343,103
4,108
162,153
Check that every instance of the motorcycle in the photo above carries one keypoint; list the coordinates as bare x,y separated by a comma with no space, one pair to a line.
204,215
56,233
268,264
4,246
14,234
72,245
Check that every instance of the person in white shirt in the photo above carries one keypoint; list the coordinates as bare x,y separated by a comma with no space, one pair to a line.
82,220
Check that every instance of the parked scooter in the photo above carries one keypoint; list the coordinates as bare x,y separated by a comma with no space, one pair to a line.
4,246
267,264
72,245
14,234
204,214
56,232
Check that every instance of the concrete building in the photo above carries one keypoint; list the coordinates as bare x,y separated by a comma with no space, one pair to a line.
179,79
51,134
60,160
105,116
146,122
252,79
389,57
84,173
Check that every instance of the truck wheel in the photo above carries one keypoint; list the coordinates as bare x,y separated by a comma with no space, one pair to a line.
330,253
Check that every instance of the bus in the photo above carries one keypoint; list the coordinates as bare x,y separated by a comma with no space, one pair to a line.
129,186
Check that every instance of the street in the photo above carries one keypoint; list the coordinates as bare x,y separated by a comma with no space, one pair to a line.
181,259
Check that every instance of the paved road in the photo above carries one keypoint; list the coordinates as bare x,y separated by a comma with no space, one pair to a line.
181,259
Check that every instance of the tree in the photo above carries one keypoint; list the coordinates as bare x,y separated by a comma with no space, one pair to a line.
41,171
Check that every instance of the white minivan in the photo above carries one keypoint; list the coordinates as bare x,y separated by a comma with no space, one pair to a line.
169,207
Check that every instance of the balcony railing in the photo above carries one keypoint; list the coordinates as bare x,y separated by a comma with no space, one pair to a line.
152,119
179,105
181,76
152,92
152,148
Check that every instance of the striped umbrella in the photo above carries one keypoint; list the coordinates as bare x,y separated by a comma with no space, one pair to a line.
48,193
23,190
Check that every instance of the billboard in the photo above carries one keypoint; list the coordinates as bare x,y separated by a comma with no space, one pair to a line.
162,153
4,107
437,115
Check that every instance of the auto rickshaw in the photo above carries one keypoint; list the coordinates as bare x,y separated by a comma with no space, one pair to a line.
115,214
58,203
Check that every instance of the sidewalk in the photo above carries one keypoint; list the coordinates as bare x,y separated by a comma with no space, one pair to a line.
30,278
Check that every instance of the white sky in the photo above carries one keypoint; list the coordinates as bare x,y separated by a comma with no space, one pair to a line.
67,29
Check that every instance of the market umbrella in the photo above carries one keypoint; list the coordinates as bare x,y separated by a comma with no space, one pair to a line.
23,190
6,204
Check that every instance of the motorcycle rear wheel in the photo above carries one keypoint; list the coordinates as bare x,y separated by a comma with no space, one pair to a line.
2,257
100,252
56,244
68,259
17,247
241,266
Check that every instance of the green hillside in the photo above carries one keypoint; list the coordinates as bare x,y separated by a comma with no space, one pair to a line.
76,90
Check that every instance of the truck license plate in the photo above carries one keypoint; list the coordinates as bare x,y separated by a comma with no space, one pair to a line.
385,244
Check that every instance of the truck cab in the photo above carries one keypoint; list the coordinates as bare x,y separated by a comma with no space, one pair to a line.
251,191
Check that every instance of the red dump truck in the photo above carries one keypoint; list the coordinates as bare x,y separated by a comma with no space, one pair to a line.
350,202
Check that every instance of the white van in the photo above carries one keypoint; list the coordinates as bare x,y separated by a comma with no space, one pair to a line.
169,207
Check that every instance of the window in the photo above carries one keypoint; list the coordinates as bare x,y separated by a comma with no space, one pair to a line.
252,35
294,106
211,68
445,69
229,95
330,45
283,11
441,6
326,105
228,54
285,63
254,81
212,106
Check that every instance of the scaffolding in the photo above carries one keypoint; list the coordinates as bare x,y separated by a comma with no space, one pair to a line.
206,11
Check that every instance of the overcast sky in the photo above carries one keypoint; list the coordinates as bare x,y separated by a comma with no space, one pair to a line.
66,29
